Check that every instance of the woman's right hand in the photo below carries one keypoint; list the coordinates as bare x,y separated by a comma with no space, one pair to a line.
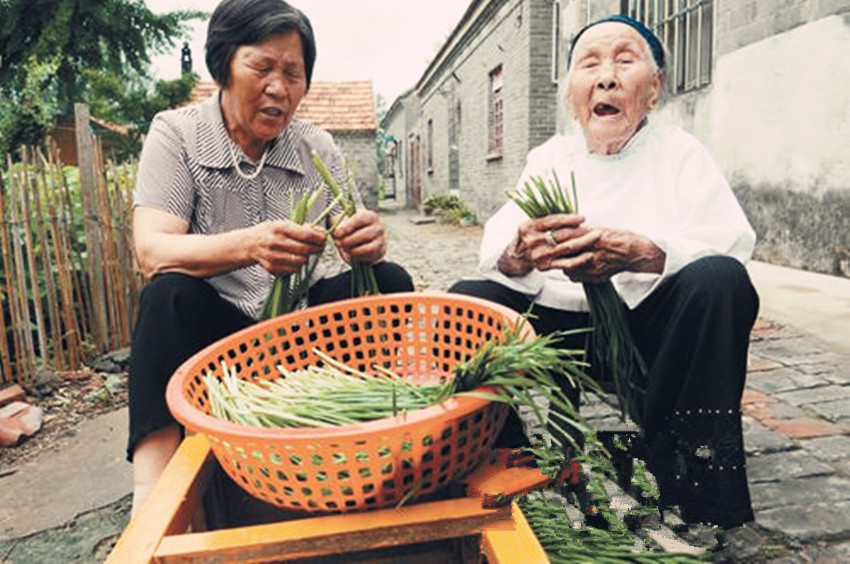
283,247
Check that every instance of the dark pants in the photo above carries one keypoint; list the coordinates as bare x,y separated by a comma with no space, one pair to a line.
693,332
179,315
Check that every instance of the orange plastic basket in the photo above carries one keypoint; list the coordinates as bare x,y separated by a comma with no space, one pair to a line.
368,465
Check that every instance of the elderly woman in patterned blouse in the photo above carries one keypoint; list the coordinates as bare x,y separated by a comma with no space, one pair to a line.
215,187
659,220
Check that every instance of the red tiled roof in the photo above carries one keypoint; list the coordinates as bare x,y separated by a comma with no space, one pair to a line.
334,106
340,106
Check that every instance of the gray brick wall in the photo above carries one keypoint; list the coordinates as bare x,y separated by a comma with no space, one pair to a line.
358,149
517,36
742,22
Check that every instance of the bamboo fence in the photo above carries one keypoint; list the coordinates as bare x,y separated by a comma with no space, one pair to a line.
69,282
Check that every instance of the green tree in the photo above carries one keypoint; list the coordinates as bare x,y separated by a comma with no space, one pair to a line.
78,39
133,102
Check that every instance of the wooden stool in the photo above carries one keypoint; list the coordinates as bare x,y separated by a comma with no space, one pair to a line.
486,516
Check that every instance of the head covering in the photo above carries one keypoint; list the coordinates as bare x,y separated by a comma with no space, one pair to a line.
652,40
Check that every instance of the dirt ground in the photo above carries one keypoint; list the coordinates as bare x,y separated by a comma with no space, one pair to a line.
68,399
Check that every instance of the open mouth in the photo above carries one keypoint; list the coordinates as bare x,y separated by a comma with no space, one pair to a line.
272,112
604,110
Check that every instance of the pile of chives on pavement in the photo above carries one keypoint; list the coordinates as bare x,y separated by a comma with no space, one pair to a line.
567,543
613,346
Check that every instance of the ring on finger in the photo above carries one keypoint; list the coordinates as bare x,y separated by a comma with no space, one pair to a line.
550,238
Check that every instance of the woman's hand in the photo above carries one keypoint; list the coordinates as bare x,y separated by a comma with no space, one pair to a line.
583,253
545,243
361,238
283,247
615,251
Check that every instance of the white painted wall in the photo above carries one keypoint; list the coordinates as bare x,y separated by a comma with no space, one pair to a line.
779,110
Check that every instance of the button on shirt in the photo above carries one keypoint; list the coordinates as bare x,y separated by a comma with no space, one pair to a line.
187,170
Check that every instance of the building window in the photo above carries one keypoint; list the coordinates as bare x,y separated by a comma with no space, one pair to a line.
430,150
454,141
497,113
687,29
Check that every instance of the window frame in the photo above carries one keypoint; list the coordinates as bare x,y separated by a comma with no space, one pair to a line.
496,114
686,28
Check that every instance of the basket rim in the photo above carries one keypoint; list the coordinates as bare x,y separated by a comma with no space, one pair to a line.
458,405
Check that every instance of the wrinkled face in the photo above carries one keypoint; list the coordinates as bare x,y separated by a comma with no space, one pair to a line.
267,82
612,85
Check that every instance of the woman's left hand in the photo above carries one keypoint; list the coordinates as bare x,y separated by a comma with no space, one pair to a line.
361,238
597,254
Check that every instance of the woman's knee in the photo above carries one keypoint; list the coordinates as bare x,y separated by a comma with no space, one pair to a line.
175,288
476,288
393,278
720,280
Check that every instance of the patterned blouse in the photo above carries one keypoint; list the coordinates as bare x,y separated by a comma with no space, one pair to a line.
186,169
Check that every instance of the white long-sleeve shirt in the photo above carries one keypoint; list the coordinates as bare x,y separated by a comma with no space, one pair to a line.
663,184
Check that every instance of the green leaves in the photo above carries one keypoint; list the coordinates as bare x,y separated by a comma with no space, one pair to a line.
613,346
539,199
363,281
82,37
289,290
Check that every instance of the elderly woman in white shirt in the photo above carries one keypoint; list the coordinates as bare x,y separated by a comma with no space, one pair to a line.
659,220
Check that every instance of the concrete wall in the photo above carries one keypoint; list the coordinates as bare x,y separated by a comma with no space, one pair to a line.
776,117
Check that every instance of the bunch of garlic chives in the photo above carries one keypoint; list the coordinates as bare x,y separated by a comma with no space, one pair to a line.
363,279
613,346
288,290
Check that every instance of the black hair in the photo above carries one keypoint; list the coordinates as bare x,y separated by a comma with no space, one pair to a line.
247,22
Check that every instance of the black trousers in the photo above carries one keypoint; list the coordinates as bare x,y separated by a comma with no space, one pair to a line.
693,332
180,315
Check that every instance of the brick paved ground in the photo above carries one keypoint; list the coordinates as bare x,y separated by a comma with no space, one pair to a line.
796,408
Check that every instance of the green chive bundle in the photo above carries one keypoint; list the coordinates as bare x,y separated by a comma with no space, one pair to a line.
614,348
363,279
290,290
318,396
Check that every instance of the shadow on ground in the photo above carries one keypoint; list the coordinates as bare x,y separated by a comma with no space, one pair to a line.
88,538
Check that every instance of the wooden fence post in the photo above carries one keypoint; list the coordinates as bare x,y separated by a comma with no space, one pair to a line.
88,187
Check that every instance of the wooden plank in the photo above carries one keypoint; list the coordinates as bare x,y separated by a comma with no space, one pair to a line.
508,542
171,504
334,534
88,187
10,394
5,360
